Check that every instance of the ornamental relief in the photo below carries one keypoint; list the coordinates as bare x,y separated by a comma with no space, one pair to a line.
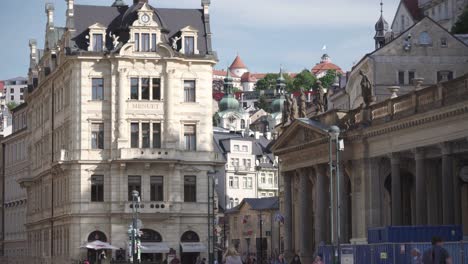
300,137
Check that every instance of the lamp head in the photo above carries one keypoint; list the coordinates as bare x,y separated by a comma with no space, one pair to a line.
334,131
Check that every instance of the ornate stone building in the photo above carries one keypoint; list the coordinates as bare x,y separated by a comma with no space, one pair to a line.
404,163
120,100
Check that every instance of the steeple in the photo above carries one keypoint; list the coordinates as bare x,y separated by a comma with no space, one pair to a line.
228,82
381,29
280,82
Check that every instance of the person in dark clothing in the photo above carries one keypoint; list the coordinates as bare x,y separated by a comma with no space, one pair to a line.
437,254
296,260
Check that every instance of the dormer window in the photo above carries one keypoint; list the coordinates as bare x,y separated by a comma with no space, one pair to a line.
97,42
189,45
145,31
189,37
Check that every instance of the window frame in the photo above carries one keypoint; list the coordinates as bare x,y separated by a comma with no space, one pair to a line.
97,136
157,194
133,133
96,47
97,189
97,89
188,146
135,183
190,93
190,189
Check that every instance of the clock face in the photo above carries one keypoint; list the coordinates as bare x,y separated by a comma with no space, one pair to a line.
145,18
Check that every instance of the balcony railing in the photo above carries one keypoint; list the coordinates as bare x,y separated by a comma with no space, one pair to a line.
149,207
169,154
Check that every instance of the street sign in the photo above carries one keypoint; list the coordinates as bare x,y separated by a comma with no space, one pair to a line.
347,255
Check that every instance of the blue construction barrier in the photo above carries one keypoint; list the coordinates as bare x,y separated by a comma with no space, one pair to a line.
395,253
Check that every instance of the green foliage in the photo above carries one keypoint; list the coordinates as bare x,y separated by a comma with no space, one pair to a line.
236,90
461,26
269,82
329,79
12,105
263,104
305,79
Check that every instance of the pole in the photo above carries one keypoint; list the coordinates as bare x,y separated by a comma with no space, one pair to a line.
338,198
331,188
261,240
209,220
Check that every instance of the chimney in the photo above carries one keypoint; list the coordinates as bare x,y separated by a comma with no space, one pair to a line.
206,6
418,82
49,9
70,14
140,1
257,135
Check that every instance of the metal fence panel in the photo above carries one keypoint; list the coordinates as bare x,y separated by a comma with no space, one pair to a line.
362,254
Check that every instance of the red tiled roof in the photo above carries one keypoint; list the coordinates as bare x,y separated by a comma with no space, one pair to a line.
2,85
248,77
326,66
238,63
223,73
413,8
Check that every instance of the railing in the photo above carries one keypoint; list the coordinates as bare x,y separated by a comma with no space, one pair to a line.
169,154
421,101
240,169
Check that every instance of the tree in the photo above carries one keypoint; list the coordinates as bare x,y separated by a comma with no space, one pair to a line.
12,105
305,79
329,79
461,26
263,104
269,82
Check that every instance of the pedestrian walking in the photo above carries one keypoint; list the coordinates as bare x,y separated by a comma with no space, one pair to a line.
296,260
318,259
86,262
416,255
280,259
437,254
232,257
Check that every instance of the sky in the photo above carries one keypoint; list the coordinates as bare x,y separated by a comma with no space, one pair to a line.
266,34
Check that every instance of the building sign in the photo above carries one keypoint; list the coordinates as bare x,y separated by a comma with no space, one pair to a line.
347,255
145,106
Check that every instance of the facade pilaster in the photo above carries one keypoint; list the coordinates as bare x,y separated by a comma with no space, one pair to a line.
305,207
448,215
321,205
169,130
343,205
396,189
287,214
421,196
121,110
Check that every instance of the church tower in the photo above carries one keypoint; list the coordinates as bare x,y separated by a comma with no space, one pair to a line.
381,29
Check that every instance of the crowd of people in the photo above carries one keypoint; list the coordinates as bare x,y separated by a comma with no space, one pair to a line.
437,254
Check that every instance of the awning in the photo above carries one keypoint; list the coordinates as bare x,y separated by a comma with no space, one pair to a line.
193,247
154,247
97,245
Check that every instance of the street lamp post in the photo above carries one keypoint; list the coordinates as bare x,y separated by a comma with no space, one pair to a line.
334,133
211,217
134,232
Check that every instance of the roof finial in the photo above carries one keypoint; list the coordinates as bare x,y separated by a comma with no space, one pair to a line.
381,7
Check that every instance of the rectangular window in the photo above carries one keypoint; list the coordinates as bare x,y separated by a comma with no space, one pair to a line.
135,127
401,77
137,42
236,183
236,147
190,189
145,88
145,135
134,83
157,188
263,178
21,97
156,135
270,179
443,42
12,98
145,42
249,182
97,188
156,89
97,89
411,75
12,90
189,91
97,42
443,76
231,181
190,137
97,136
244,148
153,42
21,90
244,183
134,184
189,45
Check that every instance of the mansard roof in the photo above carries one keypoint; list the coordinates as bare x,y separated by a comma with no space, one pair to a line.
118,19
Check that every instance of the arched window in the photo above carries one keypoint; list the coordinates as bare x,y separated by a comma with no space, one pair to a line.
242,123
149,235
97,235
425,38
190,236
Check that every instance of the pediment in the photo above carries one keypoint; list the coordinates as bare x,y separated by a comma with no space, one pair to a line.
190,169
298,134
97,26
189,29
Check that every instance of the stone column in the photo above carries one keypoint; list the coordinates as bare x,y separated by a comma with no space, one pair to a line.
421,196
344,210
170,137
287,214
447,185
396,189
305,207
320,205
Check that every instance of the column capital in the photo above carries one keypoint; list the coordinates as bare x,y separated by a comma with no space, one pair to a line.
394,157
419,153
446,148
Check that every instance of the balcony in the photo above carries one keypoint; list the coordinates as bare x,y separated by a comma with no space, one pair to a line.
242,169
149,207
169,155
